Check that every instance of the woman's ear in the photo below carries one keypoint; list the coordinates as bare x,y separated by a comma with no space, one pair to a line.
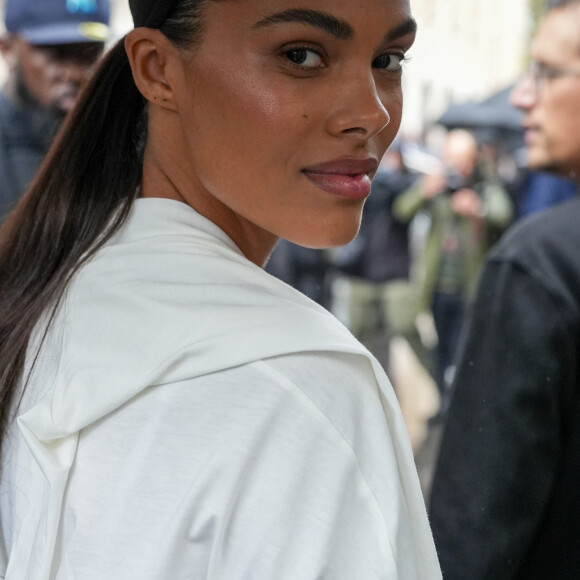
150,54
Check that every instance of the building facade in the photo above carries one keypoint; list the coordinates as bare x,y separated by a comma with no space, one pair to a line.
465,50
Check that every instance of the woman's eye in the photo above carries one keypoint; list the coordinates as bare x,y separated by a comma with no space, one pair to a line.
304,57
392,62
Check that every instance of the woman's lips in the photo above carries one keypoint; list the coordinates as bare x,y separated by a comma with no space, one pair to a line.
348,177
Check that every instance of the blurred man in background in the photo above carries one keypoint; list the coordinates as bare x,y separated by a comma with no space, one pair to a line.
372,290
468,210
50,47
505,501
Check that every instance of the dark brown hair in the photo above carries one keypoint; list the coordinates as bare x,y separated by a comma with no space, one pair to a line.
80,198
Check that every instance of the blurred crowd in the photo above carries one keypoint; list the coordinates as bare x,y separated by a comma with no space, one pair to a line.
432,217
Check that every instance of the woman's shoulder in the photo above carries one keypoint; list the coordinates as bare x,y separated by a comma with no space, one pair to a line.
334,394
338,386
278,452
143,314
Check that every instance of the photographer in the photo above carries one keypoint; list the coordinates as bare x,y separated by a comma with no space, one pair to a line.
467,211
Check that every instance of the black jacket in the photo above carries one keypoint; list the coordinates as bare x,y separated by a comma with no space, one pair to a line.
26,133
505,501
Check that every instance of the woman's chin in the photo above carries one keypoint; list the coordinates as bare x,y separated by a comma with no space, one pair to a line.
327,237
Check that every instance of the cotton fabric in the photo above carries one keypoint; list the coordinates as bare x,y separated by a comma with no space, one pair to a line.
190,416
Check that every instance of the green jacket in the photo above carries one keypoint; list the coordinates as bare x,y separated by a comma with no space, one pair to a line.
475,237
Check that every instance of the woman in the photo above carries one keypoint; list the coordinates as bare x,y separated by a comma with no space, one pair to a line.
172,411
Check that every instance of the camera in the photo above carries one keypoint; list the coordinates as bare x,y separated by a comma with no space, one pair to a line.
456,181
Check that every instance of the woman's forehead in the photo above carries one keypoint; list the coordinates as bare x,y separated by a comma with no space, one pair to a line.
340,18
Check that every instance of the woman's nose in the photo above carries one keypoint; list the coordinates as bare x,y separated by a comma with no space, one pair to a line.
359,109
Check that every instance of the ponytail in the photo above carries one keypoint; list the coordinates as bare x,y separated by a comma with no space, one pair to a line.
80,197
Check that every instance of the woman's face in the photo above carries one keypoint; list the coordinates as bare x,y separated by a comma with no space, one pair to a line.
286,108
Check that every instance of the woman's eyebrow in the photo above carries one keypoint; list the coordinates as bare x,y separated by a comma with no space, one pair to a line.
409,26
334,26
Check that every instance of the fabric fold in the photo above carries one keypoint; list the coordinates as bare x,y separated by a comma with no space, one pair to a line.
154,307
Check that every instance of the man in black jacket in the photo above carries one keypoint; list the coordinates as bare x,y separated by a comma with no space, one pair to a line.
50,48
505,500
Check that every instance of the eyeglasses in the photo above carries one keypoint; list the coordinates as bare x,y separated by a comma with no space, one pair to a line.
540,73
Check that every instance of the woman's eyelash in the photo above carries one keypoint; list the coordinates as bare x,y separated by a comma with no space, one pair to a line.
310,59
400,60
305,57
302,54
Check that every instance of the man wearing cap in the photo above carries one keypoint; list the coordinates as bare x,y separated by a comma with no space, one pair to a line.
50,47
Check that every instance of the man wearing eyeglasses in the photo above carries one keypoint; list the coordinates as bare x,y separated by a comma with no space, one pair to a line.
505,500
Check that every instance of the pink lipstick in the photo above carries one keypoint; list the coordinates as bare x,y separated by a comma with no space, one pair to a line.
347,177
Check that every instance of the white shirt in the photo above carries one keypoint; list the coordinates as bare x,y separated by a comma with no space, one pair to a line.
191,417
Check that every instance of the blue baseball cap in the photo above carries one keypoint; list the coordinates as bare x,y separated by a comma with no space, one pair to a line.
58,21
